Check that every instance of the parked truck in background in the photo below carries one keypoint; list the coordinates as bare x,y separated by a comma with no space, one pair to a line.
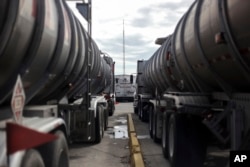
53,80
124,87
194,90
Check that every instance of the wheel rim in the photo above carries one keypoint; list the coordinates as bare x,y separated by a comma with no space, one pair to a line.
171,140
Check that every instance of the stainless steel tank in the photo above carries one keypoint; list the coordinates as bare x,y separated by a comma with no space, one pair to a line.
156,69
44,43
208,51
211,47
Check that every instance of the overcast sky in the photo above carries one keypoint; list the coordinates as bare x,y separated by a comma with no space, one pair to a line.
144,21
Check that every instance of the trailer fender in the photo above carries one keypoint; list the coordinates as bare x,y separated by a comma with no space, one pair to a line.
95,101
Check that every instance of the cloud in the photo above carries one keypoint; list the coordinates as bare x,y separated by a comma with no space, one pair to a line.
144,21
136,48
143,18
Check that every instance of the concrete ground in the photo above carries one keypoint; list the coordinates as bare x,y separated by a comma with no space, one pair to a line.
151,152
113,151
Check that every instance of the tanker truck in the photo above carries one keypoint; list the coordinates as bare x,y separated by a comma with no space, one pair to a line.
124,87
194,90
56,86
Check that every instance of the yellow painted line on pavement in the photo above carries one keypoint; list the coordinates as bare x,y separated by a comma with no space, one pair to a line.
134,145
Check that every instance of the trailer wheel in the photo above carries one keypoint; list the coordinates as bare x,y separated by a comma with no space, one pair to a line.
139,109
151,121
105,118
146,112
136,110
164,142
99,127
111,107
32,158
186,147
102,120
156,122
56,154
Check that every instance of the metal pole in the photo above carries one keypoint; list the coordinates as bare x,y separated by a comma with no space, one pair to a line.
123,49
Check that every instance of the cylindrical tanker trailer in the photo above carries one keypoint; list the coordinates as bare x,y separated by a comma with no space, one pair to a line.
194,90
55,82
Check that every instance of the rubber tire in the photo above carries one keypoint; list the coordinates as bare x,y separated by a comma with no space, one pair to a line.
141,112
155,122
32,158
111,107
186,147
151,121
164,141
145,111
102,120
56,153
136,110
99,127
139,109
105,118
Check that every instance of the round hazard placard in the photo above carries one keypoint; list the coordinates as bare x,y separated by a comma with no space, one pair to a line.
18,100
